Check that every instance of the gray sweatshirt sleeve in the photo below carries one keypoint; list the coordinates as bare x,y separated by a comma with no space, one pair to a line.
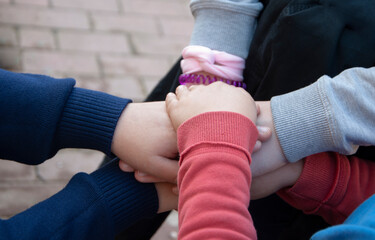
333,114
225,25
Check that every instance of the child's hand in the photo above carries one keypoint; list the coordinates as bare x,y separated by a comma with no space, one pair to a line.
145,140
271,182
218,96
270,156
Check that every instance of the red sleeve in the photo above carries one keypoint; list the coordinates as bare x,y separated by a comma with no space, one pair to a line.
214,177
332,186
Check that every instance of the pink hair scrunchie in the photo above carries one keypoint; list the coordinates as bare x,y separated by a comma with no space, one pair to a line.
221,64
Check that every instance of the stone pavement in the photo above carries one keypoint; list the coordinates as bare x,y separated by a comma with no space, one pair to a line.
122,47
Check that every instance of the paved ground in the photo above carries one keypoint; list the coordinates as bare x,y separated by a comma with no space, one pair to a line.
118,46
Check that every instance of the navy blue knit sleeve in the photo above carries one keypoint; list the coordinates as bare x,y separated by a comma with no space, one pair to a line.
95,206
40,115
30,107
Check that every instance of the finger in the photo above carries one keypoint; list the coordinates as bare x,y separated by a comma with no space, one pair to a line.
258,145
125,167
264,133
181,91
258,108
146,178
165,168
192,87
170,100
167,199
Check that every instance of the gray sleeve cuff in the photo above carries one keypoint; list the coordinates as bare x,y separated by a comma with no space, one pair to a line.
333,114
225,25
302,123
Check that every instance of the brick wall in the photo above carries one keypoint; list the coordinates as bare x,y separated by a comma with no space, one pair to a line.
122,47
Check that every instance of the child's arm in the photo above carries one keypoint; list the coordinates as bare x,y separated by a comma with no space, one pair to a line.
220,40
333,114
94,206
332,186
214,177
225,25
326,184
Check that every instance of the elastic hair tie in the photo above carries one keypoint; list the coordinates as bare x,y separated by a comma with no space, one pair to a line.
203,79
218,63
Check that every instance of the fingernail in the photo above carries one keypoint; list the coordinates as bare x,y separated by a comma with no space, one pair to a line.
142,174
262,129
126,167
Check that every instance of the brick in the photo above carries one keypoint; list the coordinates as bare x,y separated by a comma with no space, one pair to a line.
37,38
8,36
165,46
13,171
90,83
94,42
17,198
9,58
51,62
177,26
43,17
69,162
126,87
107,5
134,65
33,2
157,7
133,24
150,83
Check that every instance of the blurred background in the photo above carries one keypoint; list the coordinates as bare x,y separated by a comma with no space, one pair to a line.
122,47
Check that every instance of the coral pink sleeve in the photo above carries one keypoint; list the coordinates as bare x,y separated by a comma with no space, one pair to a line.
214,177
332,186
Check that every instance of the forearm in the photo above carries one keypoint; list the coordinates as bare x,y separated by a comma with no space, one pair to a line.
333,114
332,186
215,177
225,25
95,206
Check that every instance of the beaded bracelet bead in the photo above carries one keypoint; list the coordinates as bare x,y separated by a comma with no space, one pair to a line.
199,78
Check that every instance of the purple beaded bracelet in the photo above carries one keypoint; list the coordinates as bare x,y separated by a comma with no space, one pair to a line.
199,78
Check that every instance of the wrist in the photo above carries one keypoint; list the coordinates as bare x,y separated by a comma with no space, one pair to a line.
292,173
122,126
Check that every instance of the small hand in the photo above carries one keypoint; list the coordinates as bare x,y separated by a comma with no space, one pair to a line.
270,156
145,140
218,96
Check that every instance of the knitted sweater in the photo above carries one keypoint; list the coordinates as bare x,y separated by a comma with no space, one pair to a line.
41,115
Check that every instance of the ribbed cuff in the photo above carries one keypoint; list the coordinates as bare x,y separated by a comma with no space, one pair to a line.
217,127
219,23
89,120
301,123
323,180
127,199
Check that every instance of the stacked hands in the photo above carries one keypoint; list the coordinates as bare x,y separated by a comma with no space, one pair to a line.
145,139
